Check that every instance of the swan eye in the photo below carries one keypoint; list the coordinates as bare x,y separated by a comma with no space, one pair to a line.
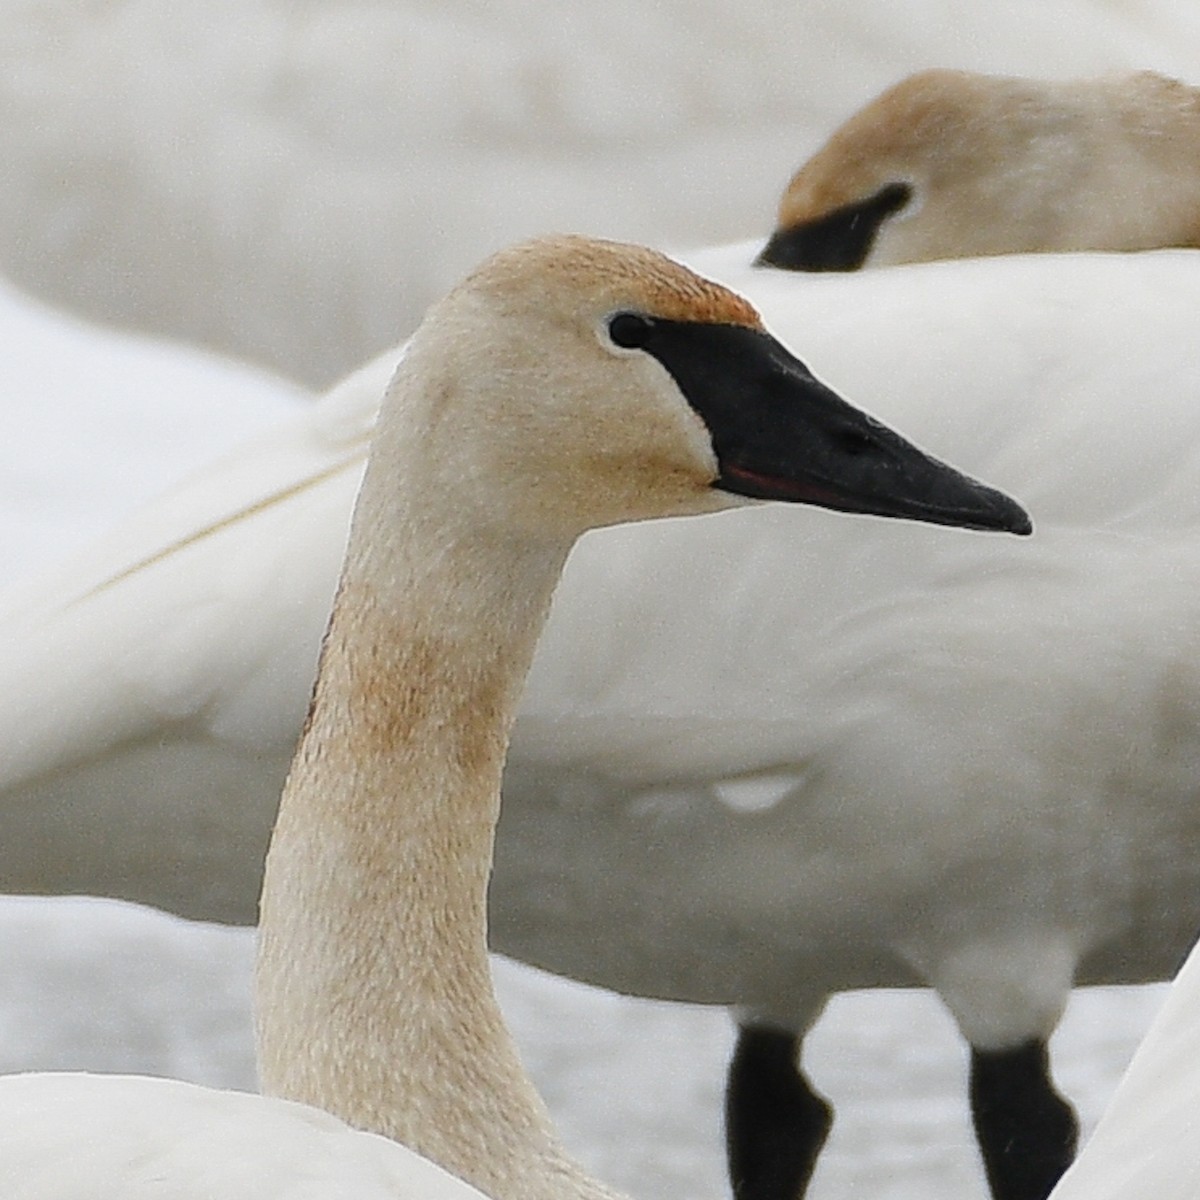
629,330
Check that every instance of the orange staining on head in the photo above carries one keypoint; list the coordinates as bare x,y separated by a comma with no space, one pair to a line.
610,276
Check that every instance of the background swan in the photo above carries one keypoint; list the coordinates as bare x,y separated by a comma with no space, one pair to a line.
374,992
1083,360
236,173
950,164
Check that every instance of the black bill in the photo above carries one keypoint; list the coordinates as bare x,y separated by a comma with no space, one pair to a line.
781,434
839,241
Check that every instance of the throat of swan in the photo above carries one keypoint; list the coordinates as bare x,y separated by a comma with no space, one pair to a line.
374,991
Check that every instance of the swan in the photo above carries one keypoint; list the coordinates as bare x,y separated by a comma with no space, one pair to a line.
785,737
950,164
233,173
566,384
1145,1143
142,1138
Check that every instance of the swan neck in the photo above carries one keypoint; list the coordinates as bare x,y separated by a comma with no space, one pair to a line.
374,990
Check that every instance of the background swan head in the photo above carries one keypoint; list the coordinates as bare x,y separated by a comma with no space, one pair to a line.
950,164
570,383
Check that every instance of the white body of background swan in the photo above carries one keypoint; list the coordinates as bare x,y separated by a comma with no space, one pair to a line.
238,173
1019,363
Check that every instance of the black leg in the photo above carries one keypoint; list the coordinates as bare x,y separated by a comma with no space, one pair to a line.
1026,1130
775,1124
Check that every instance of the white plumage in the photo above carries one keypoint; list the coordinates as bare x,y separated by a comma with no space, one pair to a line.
82,390
136,1138
205,695
1148,1141
965,762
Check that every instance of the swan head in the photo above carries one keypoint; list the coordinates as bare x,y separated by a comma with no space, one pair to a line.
951,164
572,383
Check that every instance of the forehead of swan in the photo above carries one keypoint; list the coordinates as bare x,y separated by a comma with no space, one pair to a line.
588,277
919,119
